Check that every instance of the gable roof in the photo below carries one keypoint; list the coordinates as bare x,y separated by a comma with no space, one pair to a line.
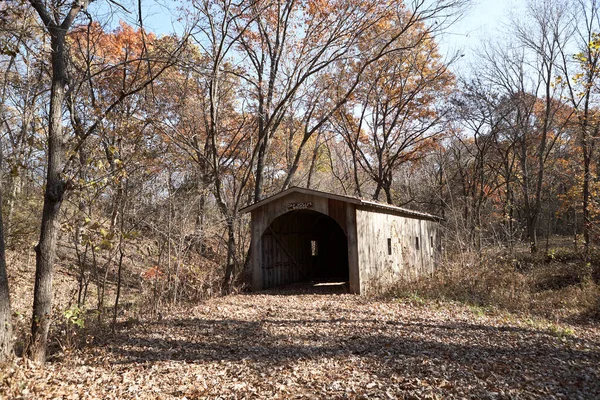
347,199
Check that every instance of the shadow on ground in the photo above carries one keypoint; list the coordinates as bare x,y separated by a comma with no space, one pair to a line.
463,352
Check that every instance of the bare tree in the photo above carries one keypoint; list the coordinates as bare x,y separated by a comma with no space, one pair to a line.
400,106
6,331
581,78
533,114
59,18
283,60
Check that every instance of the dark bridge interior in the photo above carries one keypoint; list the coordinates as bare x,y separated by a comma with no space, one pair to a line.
304,246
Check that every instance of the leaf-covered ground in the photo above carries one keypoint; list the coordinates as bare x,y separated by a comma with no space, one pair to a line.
322,346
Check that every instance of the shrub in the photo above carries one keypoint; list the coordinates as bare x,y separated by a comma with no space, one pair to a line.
525,283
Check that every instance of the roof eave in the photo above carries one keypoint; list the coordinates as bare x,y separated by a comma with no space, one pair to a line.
296,189
400,211
346,199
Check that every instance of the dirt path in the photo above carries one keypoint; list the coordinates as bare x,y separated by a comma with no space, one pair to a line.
324,346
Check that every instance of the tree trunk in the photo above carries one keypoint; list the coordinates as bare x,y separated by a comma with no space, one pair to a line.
355,166
377,191
229,269
14,188
587,223
6,343
53,197
260,168
387,186
388,194
199,228
313,164
119,281
532,233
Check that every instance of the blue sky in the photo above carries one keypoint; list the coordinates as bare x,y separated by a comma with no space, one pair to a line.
480,16
483,19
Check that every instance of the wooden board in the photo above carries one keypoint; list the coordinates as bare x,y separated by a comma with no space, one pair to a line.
377,234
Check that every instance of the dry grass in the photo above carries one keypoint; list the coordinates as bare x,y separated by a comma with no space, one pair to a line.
558,285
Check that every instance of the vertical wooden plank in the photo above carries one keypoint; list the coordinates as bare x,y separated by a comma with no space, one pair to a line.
257,279
279,261
353,243
337,211
362,240
268,260
378,270
290,242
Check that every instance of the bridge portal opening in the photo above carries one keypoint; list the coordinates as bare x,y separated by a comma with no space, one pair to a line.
304,246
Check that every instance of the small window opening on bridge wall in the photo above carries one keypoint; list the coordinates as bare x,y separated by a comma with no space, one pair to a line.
314,248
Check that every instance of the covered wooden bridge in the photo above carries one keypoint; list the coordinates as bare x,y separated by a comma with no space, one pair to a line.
304,235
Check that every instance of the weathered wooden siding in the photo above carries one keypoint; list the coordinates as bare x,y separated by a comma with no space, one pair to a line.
379,270
354,278
337,210
262,219
285,257
267,252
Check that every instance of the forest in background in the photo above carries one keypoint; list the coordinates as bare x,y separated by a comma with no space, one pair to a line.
129,155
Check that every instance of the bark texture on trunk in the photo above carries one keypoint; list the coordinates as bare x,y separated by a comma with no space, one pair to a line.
53,197
6,332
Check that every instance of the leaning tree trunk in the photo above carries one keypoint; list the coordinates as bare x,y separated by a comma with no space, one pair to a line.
53,196
532,232
587,223
6,343
260,168
231,258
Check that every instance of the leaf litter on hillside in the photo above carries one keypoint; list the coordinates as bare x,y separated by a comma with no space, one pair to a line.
321,346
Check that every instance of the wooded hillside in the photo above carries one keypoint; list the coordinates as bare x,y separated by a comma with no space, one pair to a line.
126,155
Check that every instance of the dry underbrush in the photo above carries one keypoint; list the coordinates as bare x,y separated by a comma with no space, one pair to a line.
558,285
146,291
